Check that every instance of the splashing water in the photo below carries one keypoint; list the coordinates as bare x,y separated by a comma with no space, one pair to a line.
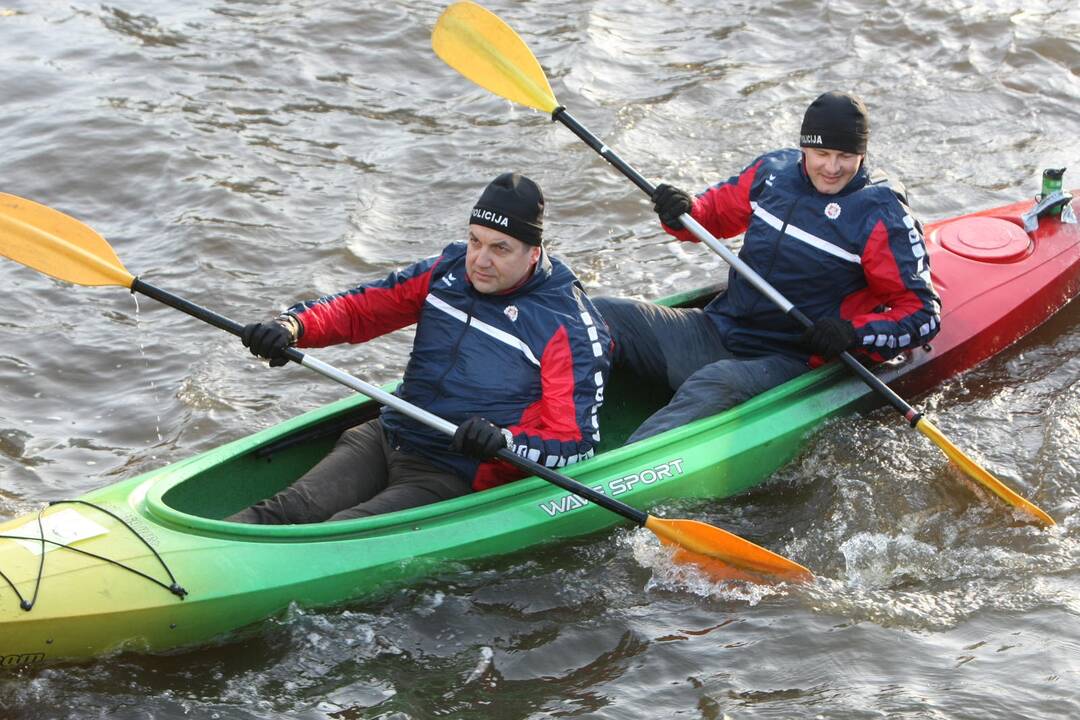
670,576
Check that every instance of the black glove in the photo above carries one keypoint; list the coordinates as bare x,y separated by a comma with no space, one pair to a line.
478,438
268,340
830,336
669,203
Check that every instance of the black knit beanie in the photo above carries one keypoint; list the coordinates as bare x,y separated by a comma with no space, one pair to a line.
512,204
836,121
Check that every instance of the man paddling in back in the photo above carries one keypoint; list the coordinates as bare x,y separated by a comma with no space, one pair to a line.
508,347
841,245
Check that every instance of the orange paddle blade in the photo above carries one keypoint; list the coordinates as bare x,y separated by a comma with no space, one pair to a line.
49,241
723,554
479,45
980,475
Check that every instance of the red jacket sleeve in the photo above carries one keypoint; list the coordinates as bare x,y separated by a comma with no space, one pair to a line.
562,427
366,311
899,307
723,209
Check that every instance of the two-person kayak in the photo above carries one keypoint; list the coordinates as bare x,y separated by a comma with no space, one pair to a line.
148,564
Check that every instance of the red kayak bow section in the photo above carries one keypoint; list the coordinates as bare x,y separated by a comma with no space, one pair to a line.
997,283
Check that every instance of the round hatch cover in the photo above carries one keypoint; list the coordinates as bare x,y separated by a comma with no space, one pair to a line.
988,239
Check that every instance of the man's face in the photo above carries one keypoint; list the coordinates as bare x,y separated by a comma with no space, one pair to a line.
830,170
496,262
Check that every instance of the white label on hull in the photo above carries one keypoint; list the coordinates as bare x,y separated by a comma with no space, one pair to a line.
616,487
64,527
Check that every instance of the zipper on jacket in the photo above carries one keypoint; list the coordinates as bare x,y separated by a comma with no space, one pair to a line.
457,349
776,250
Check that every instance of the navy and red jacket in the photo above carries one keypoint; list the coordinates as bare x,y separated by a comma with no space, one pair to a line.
533,360
858,255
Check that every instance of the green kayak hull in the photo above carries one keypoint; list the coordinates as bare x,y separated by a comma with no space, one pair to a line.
148,564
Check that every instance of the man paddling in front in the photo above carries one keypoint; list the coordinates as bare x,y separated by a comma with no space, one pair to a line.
841,245
508,346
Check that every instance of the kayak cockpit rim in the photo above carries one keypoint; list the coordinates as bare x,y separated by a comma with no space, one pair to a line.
158,505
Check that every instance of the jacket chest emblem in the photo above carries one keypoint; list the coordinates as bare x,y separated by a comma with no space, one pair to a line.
832,211
511,312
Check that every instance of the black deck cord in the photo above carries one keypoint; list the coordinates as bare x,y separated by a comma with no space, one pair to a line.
173,587
41,568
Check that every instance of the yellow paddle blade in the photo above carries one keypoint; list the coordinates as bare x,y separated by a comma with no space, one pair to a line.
980,475
49,241
723,554
479,45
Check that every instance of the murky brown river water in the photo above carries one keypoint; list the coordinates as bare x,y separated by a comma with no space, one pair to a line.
249,153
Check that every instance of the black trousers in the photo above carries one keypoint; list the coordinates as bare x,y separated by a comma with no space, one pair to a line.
682,347
361,476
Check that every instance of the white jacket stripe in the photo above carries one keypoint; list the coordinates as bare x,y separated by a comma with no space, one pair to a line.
802,235
500,335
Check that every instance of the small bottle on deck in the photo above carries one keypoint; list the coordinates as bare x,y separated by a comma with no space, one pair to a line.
1051,182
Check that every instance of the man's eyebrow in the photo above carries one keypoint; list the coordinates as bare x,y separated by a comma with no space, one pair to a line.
503,243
